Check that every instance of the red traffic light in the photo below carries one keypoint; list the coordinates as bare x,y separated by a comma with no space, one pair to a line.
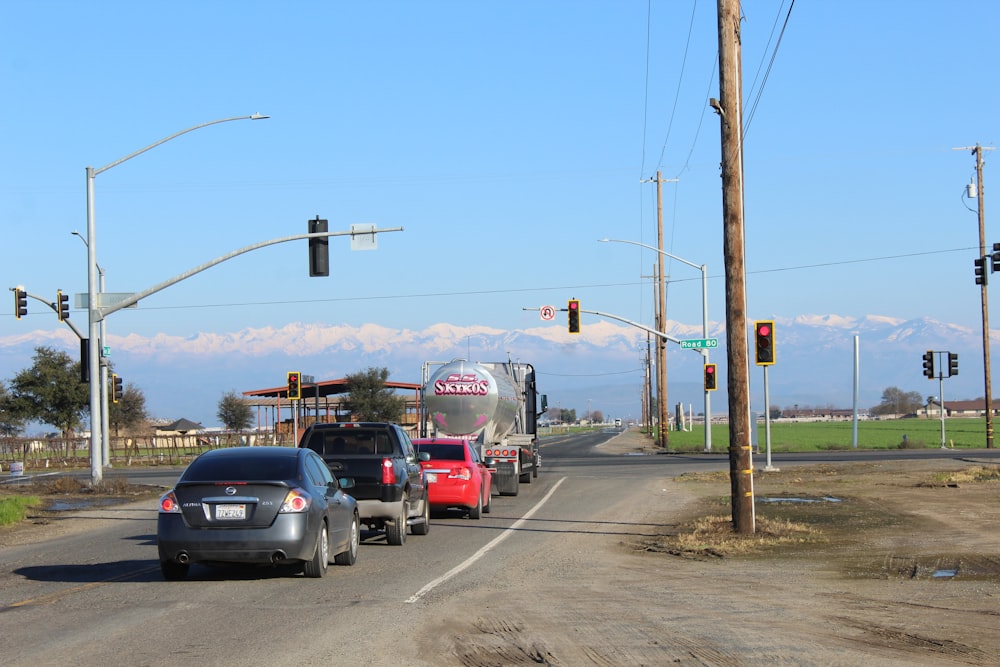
710,378
764,335
573,310
294,385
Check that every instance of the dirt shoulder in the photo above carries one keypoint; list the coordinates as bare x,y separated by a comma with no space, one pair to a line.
886,563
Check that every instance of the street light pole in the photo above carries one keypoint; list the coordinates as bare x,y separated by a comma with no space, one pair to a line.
704,323
105,417
95,317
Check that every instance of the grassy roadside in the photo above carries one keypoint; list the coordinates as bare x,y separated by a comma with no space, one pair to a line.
787,436
15,508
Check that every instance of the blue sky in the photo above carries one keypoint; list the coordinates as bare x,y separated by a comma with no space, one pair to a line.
506,138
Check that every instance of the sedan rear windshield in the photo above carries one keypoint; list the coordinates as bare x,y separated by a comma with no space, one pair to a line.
255,468
443,452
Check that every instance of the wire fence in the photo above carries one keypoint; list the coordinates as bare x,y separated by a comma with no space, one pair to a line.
143,450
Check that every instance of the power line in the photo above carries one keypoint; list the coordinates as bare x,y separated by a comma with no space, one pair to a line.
557,288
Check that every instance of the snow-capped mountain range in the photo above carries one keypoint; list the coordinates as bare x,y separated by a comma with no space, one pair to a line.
600,369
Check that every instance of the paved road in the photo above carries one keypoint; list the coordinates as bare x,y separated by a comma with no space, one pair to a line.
94,594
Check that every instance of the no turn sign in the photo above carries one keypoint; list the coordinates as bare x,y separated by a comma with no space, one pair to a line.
547,312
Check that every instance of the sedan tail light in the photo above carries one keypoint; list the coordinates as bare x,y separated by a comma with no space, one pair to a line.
169,504
388,474
296,500
460,473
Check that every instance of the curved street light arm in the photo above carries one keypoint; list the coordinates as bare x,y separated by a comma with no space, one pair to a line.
117,162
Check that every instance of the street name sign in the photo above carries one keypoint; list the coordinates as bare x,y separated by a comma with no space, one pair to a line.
699,343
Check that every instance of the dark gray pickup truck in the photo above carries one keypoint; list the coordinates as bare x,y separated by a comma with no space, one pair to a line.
388,482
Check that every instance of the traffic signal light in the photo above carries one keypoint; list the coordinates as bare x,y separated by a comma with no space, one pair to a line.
20,303
710,377
116,389
995,258
764,335
573,308
294,385
62,303
929,364
319,249
952,363
980,270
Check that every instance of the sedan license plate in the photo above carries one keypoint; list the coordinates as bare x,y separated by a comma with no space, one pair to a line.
231,512
432,477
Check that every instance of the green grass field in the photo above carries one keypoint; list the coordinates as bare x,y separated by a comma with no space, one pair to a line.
824,436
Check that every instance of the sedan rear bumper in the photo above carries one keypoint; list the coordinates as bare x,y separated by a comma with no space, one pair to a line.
288,538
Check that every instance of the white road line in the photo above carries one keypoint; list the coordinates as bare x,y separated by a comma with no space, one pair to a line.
484,550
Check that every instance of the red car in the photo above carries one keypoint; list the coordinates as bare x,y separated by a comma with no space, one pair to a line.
456,476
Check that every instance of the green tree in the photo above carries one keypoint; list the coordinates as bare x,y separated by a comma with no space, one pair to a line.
370,400
50,391
130,411
10,422
895,401
234,412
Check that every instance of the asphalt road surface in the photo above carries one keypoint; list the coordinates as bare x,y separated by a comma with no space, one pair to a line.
542,579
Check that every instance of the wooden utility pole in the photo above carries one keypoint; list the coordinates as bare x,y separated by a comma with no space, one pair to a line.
730,109
661,342
977,150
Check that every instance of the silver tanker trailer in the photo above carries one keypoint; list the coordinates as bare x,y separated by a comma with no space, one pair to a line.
493,404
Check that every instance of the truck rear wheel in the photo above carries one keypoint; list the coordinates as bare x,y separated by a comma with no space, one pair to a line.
424,526
395,531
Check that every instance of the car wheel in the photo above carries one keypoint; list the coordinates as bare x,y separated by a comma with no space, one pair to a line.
316,566
172,570
425,527
489,503
477,511
350,556
395,531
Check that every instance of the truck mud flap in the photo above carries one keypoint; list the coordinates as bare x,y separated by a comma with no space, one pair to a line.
506,479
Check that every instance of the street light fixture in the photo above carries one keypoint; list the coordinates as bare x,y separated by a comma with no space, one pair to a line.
704,322
95,315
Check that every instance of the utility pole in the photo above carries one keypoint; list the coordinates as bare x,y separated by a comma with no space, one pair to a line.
661,319
730,110
977,150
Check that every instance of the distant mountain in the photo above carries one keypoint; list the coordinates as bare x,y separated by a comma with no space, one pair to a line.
600,369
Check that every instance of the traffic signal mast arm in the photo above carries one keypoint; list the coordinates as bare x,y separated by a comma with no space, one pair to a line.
622,319
103,312
54,306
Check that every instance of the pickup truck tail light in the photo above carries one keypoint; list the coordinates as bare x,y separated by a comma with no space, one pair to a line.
388,474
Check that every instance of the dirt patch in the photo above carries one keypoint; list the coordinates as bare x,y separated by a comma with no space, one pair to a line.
852,564
935,519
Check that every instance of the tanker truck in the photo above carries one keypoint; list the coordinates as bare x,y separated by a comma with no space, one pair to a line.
491,404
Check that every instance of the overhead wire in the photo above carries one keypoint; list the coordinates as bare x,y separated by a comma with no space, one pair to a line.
767,73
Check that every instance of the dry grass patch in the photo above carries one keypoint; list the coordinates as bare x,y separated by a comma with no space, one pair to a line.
714,537
972,475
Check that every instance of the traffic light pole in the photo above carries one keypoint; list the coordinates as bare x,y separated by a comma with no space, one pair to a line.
767,423
941,396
